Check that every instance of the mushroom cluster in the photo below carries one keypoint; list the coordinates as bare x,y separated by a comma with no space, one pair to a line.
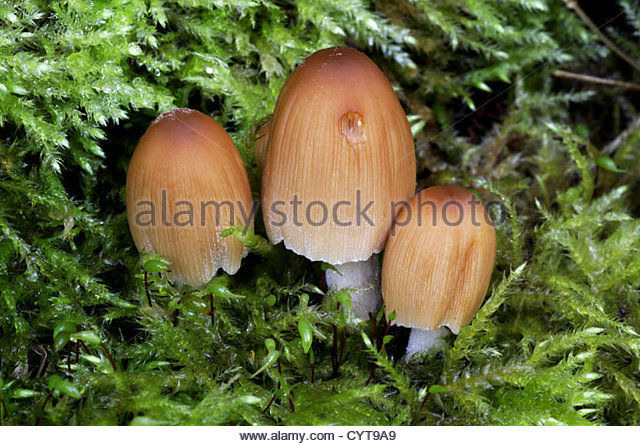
337,157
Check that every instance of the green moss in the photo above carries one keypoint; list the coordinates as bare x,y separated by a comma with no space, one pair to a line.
556,341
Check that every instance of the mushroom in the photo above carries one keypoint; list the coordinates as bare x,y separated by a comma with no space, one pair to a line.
437,264
185,183
340,153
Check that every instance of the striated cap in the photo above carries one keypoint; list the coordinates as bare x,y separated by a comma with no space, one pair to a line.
438,259
186,182
261,141
338,140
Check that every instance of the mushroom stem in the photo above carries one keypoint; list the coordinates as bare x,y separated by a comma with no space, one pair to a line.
421,341
363,277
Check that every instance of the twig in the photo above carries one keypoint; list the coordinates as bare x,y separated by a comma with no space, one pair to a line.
596,80
69,353
44,404
613,145
273,398
174,317
375,339
336,356
373,325
386,333
341,347
113,363
213,314
43,359
146,287
291,406
46,400
84,346
334,352
573,4
374,366
424,400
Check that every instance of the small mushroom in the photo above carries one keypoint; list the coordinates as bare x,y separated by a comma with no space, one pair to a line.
437,264
186,183
339,154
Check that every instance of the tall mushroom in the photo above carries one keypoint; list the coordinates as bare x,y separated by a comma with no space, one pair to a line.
437,264
340,152
185,183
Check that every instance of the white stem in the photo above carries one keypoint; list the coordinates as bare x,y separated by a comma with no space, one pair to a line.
421,341
364,279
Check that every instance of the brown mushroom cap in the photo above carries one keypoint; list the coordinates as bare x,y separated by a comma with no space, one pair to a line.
437,266
187,157
338,133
